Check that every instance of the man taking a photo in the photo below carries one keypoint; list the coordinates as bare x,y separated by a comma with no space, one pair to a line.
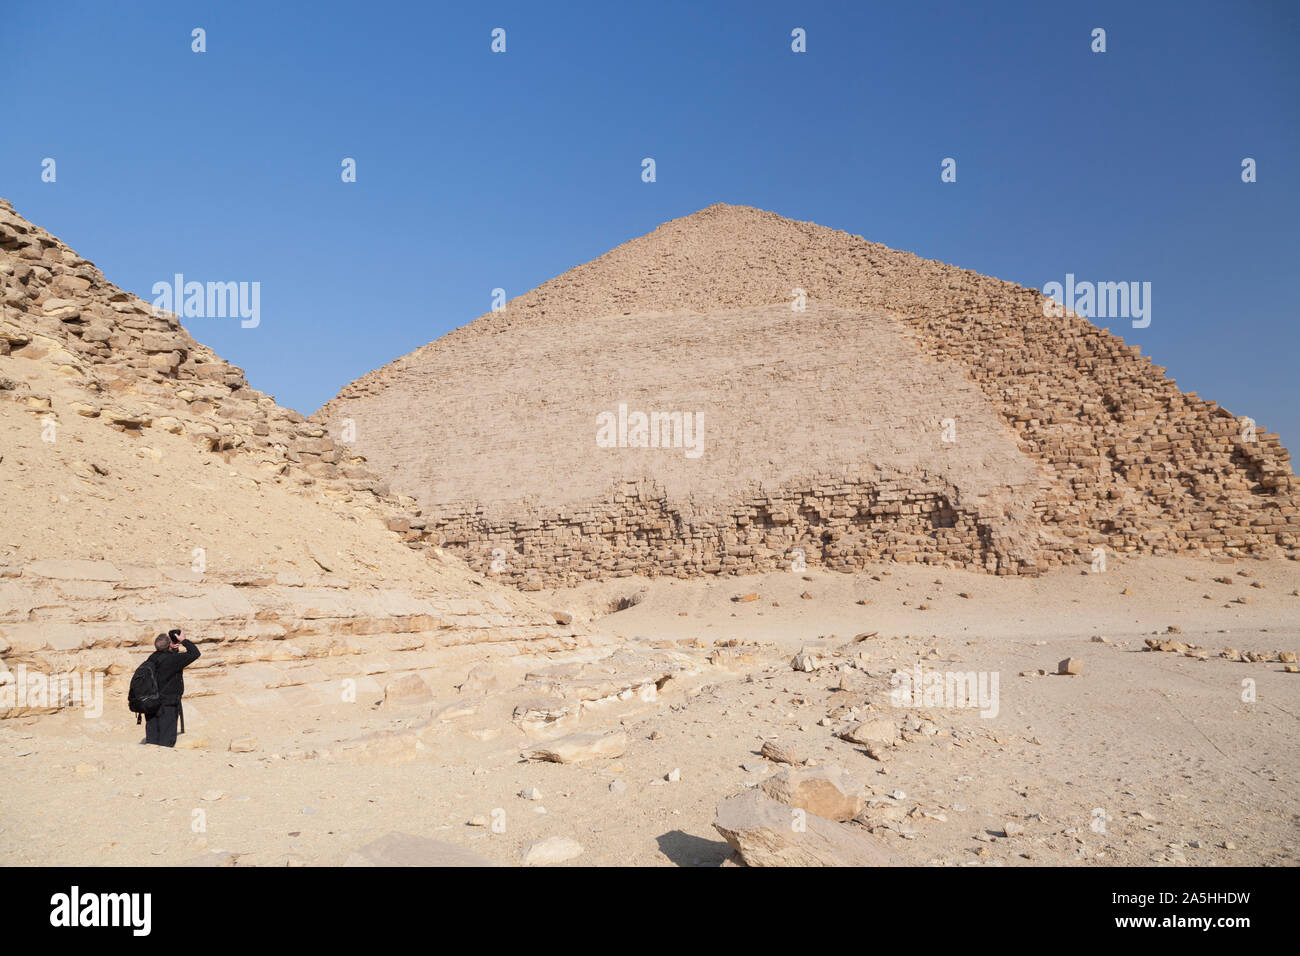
173,652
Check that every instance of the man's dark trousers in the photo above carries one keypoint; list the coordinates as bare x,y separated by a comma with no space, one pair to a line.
161,727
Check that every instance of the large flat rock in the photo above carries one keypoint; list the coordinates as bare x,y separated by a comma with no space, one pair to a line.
74,570
825,791
405,849
576,748
768,833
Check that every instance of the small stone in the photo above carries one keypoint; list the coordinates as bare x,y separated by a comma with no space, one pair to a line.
875,735
1071,666
778,753
552,850
803,661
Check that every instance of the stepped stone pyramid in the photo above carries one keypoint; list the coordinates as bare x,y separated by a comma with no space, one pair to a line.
913,412
147,485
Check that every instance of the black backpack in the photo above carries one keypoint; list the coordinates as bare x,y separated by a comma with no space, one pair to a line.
143,697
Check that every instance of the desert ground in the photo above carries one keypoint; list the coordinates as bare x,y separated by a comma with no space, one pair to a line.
374,690
1144,756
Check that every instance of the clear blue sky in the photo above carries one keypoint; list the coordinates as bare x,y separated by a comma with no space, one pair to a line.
478,170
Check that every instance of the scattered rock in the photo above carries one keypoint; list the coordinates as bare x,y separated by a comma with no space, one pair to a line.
408,689
803,661
779,753
551,850
875,735
480,680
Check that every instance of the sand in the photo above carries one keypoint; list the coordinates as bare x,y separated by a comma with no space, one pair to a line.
1158,747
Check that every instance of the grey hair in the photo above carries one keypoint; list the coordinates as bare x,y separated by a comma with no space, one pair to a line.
162,642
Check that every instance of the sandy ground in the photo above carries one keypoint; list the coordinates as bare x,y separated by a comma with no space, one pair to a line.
1143,757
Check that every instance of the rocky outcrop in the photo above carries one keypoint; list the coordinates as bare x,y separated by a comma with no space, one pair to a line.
259,635
137,370
148,486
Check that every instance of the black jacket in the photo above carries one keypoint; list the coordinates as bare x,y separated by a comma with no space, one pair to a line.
169,665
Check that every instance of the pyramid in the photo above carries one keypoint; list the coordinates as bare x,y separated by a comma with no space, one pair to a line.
911,411
148,485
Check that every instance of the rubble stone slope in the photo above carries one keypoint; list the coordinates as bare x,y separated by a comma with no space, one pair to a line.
147,485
